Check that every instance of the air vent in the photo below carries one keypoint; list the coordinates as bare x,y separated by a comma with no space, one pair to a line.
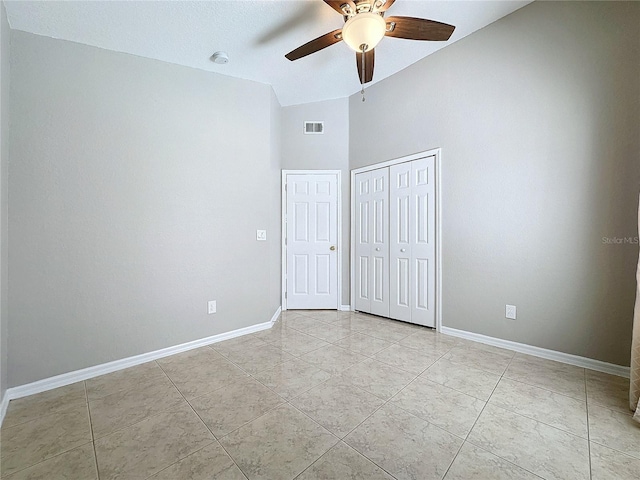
313,128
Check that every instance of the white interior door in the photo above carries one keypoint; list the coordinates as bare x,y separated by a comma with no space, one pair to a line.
362,242
311,241
400,241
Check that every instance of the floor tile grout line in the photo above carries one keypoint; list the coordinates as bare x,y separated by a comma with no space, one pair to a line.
614,449
502,377
49,458
542,388
335,342
412,373
126,390
539,421
387,402
455,389
510,462
205,425
478,418
341,439
260,416
123,427
183,458
611,409
348,446
479,415
284,400
586,404
453,459
93,438
39,417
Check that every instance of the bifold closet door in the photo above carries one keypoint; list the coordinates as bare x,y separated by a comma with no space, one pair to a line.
372,242
379,222
412,241
363,241
399,241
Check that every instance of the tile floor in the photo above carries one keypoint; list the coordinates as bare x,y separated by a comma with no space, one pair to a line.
330,395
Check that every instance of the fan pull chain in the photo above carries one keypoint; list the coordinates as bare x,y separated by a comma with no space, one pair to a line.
363,47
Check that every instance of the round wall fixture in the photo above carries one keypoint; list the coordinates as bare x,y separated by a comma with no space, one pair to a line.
220,58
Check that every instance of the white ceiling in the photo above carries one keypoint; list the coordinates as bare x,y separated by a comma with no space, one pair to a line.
255,34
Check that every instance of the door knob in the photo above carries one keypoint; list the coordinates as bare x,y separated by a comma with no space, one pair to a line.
332,247
377,249
402,250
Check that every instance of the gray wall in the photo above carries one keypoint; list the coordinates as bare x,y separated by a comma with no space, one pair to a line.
4,190
136,191
537,116
274,232
329,151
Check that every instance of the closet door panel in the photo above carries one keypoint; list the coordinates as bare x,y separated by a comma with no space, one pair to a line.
422,233
400,242
363,242
379,260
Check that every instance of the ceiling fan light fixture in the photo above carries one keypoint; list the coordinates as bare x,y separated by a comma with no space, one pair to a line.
364,29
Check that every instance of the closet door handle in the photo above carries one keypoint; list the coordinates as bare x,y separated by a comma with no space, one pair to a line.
402,250
377,249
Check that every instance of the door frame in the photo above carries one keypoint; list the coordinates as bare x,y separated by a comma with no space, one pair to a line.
338,175
437,152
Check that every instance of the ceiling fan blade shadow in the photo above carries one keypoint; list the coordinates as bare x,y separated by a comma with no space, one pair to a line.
369,61
315,45
304,16
418,29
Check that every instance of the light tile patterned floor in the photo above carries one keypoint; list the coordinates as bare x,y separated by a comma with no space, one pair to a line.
330,395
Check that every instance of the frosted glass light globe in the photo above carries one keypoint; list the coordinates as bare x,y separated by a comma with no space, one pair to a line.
364,29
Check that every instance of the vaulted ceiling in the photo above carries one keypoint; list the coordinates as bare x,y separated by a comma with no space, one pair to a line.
255,34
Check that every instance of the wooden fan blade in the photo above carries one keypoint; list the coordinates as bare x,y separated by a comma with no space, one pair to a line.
387,4
337,4
369,60
315,45
418,29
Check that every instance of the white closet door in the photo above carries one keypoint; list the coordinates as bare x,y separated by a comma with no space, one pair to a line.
363,241
422,234
400,241
379,229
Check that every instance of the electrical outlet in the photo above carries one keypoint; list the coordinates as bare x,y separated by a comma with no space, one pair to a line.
261,235
510,312
212,307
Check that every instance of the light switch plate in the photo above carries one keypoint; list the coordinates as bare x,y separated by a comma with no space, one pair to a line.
510,312
261,235
211,306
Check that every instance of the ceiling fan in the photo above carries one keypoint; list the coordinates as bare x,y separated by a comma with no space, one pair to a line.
365,26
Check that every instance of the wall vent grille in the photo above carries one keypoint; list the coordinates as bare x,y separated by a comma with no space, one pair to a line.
313,128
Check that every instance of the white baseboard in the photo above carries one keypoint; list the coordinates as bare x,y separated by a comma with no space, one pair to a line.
576,360
345,308
4,404
97,370
276,315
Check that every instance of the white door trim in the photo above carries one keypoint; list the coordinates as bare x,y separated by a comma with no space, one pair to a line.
437,152
338,175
